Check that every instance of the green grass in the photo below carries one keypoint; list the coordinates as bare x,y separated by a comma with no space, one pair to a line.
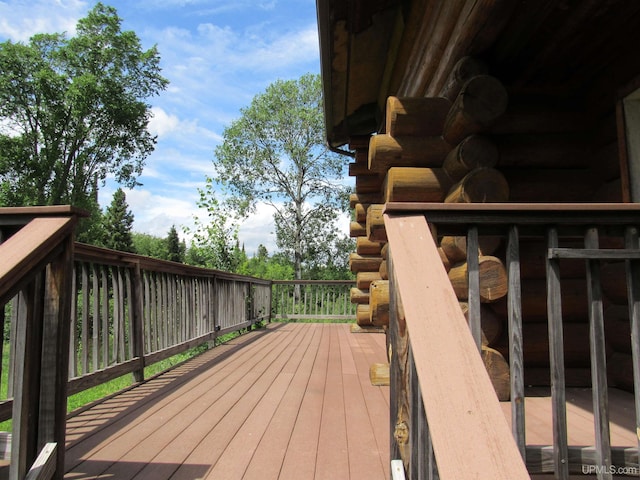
94,394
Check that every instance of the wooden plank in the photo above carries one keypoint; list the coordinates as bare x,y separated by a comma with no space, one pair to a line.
598,354
516,362
556,360
44,466
633,288
300,459
28,248
473,275
189,416
26,379
240,450
55,354
462,415
268,458
594,253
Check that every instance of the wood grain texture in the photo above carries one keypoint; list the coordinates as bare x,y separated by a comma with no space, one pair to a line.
462,415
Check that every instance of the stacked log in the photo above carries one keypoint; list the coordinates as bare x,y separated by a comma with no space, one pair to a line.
432,150
365,262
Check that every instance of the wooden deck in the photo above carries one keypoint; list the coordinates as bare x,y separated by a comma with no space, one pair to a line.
288,401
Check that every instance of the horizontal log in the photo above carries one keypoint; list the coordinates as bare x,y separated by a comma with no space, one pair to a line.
445,260
357,229
618,328
360,212
412,184
491,324
362,154
534,300
535,345
386,151
364,279
464,70
542,151
363,317
379,374
530,185
455,247
538,119
376,231
416,116
604,161
369,183
379,303
473,152
481,101
359,295
385,251
493,279
482,185
359,142
364,263
364,246
360,169
613,277
384,270
533,260
609,192
620,371
574,377
364,198
498,370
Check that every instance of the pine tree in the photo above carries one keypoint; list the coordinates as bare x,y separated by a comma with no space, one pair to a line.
118,223
176,248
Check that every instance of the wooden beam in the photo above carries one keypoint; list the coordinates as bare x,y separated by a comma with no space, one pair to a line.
462,415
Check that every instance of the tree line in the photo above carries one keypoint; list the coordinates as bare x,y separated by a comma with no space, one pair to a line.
74,111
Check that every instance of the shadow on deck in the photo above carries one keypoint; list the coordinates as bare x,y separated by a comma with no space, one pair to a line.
288,401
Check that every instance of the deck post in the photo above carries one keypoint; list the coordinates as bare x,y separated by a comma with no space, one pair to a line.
633,291
556,360
598,358
137,317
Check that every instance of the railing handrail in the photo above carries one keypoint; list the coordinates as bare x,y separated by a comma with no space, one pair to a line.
92,253
25,251
462,415
313,282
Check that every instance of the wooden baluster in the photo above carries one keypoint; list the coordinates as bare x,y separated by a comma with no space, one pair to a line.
104,302
598,359
136,318
73,341
473,271
556,358
516,363
633,287
95,338
27,376
85,319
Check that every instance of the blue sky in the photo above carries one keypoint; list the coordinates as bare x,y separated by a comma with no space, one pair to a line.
217,55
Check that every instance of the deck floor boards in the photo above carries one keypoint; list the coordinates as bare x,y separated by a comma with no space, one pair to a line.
288,401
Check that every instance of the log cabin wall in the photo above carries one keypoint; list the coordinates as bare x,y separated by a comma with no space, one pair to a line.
503,100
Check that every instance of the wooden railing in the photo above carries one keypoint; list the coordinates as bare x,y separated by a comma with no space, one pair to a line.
37,256
131,311
312,300
442,400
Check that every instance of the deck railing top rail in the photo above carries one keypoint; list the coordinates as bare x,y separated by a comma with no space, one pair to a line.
586,237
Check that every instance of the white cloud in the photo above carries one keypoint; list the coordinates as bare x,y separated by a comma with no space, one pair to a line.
21,20
258,229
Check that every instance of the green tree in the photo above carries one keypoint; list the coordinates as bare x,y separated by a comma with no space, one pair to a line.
150,245
276,153
175,248
73,110
117,224
214,240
